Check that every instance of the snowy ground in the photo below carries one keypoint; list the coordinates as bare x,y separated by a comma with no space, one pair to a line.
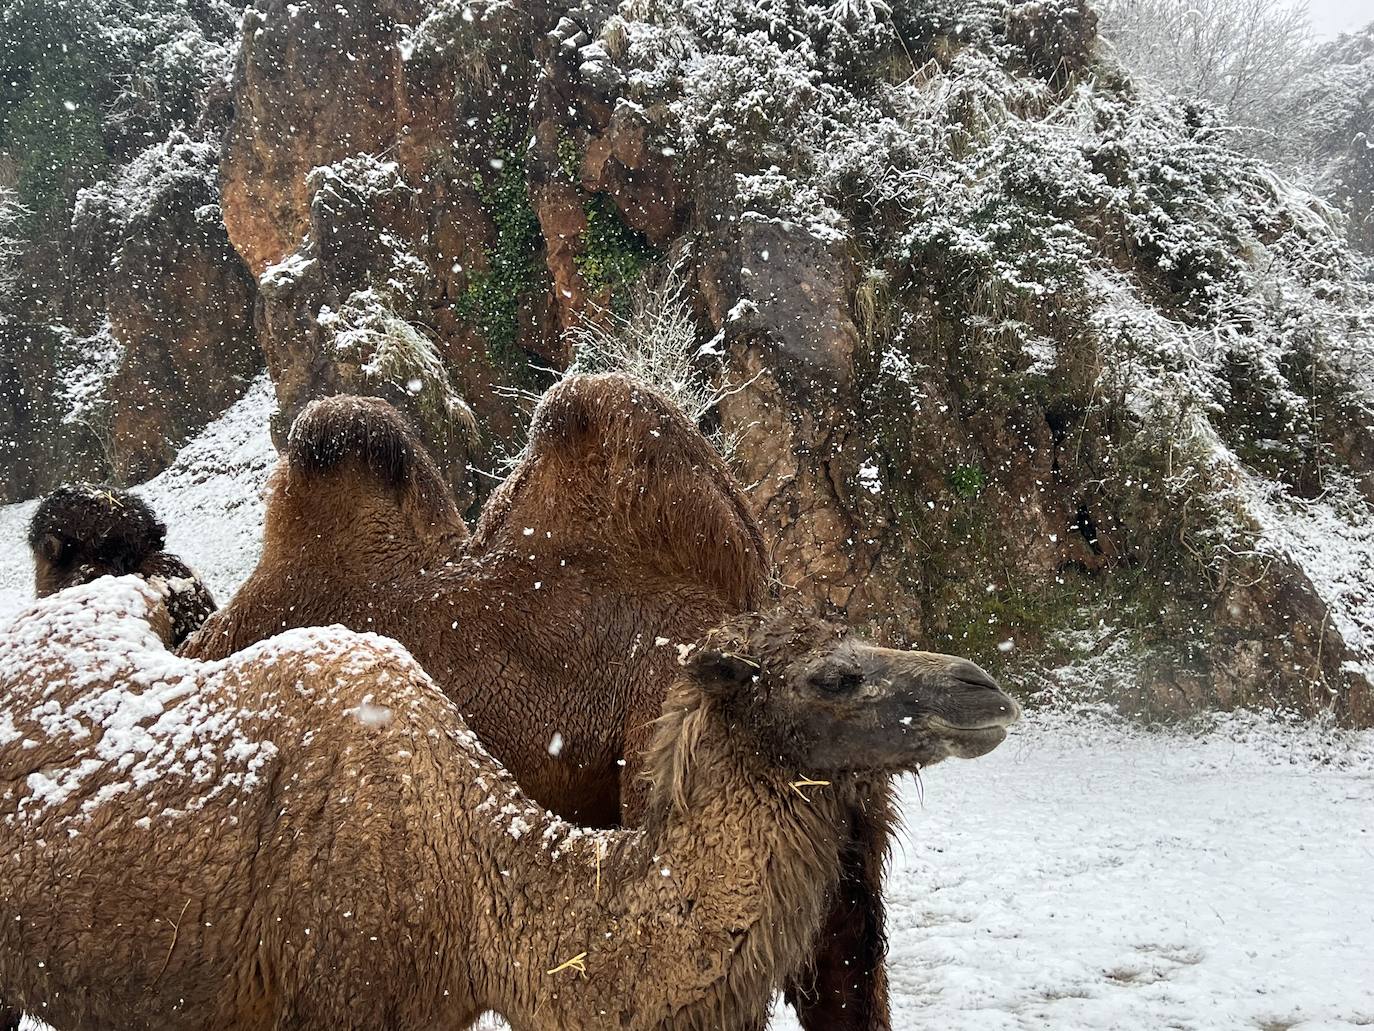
1088,874
210,499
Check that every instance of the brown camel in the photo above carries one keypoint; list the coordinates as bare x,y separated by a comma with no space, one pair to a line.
619,535
306,834
83,531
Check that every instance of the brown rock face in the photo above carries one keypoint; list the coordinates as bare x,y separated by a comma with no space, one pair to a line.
316,82
781,300
149,332
184,315
432,195
367,182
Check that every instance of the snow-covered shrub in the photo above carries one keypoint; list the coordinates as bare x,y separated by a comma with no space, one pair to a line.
390,352
12,215
1056,37
467,32
1327,130
85,83
1241,56
183,47
138,193
654,340
89,366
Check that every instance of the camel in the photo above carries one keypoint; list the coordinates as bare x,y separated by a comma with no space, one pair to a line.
83,531
307,835
619,535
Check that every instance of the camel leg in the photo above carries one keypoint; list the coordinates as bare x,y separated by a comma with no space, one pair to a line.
845,987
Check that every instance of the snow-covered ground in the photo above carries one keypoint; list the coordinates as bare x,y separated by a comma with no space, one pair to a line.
1091,875
1088,874
210,498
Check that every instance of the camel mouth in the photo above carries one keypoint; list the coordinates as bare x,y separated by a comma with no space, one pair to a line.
945,727
970,740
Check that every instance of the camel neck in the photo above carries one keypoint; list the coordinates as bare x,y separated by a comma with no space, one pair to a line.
689,922
359,534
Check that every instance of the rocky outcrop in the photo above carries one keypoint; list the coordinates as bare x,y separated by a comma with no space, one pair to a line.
135,334
989,330
177,304
315,83
386,217
484,207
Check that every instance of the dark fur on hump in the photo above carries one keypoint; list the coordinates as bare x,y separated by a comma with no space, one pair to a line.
364,434
90,524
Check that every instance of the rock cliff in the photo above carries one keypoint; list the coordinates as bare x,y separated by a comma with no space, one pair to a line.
1018,358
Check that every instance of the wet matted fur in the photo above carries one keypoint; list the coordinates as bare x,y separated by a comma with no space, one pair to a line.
344,431
344,855
82,531
619,535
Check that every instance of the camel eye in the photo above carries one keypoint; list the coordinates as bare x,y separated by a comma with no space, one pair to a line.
837,683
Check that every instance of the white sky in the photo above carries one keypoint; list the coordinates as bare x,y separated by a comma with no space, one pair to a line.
1332,17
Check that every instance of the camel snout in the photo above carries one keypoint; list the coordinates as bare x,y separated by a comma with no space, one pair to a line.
964,711
973,717
984,701
969,674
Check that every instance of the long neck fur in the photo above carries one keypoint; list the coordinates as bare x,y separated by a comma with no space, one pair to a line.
690,922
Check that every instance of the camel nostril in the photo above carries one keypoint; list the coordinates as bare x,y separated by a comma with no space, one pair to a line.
970,674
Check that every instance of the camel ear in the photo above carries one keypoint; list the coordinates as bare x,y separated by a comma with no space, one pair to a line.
722,670
50,548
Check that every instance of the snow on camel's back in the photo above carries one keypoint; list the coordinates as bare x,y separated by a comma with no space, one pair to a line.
307,835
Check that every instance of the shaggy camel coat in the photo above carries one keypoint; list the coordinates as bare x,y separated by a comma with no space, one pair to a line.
619,535
83,531
306,835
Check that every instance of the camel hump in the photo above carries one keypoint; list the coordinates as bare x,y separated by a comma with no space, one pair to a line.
357,442
614,464
346,430
590,409
91,525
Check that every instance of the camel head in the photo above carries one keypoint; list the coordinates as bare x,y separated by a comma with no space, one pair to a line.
82,531
824,700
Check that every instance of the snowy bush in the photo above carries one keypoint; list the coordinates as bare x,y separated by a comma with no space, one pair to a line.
1330,139
465,31
1242,56
139,192
655,341
366,334
12,215
90,365
86,83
